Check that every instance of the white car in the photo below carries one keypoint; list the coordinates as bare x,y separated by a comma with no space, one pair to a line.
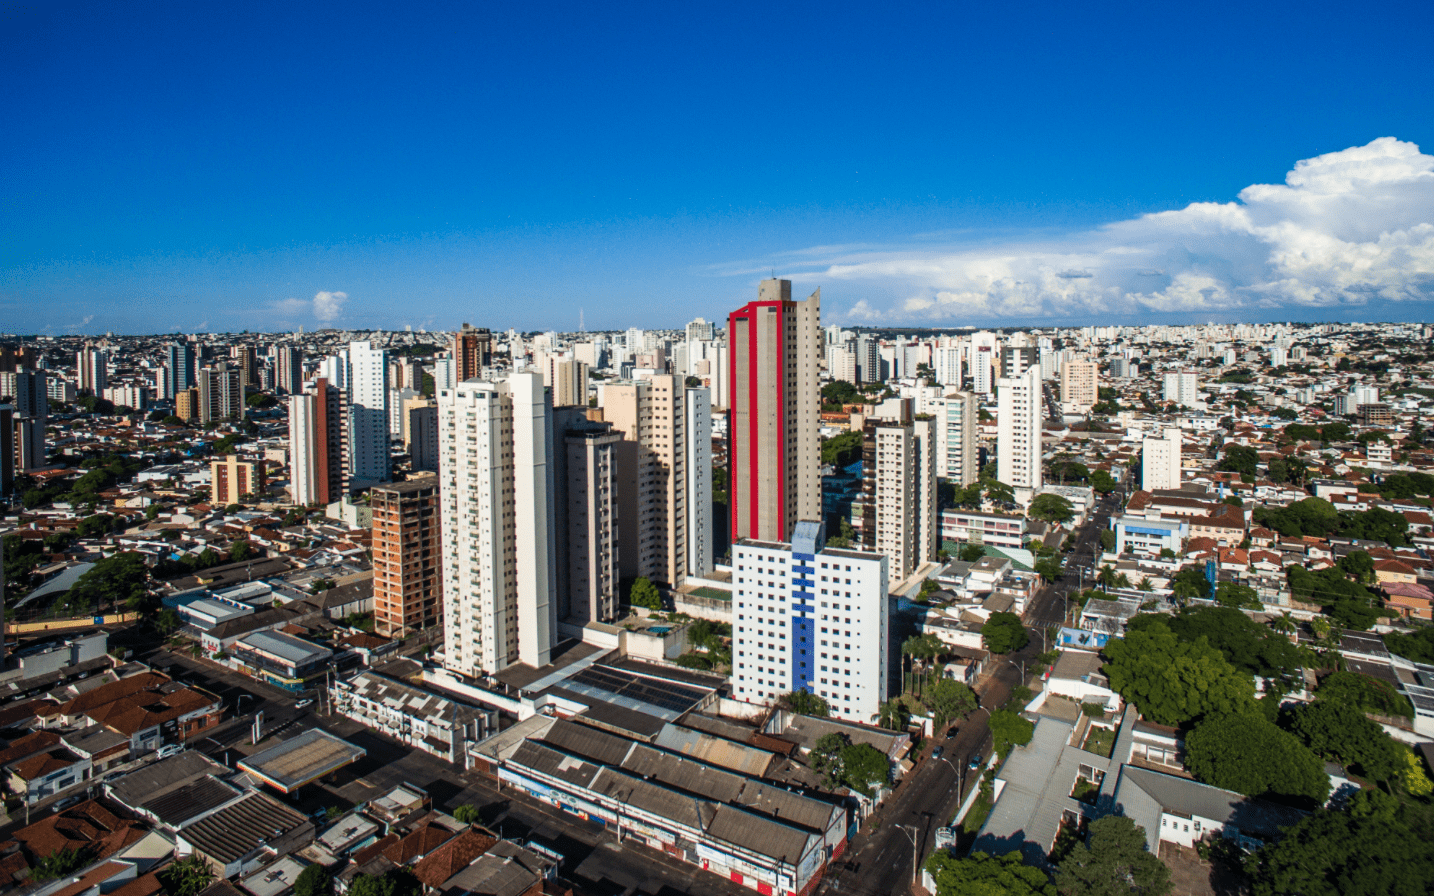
169,750
302,703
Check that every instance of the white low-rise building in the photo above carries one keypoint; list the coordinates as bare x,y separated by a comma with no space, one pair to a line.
421,719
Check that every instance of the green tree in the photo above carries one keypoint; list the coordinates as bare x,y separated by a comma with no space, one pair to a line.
1049,568
1232,594
981,874
187,876
60,863
806,703
1342,733
999,493
892,715
1010,729
1364,693
644,594
970,553
1374,847
825,757
313,881
167,622
1240,459
117,580
1172,681
467,813
1051,508
1107,540
1113,862
842,450
949,699
1246,753
864,768
1004,633
1103,482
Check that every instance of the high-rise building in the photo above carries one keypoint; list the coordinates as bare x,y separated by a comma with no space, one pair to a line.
289,369
368,413
774,453
589,518
700,330
472,352
1160,461
407,550
841,361
652,467
28,391
700,521
445,375
956,426
898,499
186,405
230,479
498,533
29,444
179,361
568,378
807,617
1018,431
1079,385
868,360
19,357
421,433
247,365
983,369
318,445
1016,358
7,451
91,370
221,396
1182,387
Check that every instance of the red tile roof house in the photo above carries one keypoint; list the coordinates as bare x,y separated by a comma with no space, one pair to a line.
1410,601
149,709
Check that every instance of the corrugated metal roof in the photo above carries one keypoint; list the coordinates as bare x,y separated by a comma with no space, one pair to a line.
718,751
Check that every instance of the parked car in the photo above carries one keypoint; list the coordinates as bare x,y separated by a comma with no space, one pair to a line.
169,750
975,762
937,751
302,703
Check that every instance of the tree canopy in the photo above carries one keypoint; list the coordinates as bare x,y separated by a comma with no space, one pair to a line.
117,580
1004,633
1245,644
806,703
1245,752
981,874
645,594
1173,681
1376,846
1051,508
1342,733
949,699
1349,604
1113,861
1364,693
1010,729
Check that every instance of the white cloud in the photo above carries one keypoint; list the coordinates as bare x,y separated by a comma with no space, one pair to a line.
1345,228
329,305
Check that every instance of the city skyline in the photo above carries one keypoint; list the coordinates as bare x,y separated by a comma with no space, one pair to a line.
269,169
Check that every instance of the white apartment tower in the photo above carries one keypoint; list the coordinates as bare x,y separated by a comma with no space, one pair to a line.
498,534
92,370
808,617
369,424
1018,430
1160,461
1182,387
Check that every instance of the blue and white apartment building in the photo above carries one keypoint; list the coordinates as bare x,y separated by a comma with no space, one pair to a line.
810,617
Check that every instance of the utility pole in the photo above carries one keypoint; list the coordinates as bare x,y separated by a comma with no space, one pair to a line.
910,831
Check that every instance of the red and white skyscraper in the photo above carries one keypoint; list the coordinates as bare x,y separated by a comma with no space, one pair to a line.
774,348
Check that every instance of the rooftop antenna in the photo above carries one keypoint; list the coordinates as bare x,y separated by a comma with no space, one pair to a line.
581,327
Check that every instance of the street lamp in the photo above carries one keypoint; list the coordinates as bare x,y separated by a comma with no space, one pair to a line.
1022,667
910,831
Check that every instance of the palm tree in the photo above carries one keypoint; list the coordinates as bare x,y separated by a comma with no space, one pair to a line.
1106,577
1321,627
1146,585
1284,625
892,715
1122,581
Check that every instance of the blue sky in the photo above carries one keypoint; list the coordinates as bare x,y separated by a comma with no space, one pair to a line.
220,165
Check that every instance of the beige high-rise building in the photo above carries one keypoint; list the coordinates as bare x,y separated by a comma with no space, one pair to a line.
231,479
652,467
221,396
1080,385
494,441
186,404
898,500
567,377
774,448
956,428
407,570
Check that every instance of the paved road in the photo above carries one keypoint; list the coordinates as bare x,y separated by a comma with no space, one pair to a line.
1048,607
879,861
